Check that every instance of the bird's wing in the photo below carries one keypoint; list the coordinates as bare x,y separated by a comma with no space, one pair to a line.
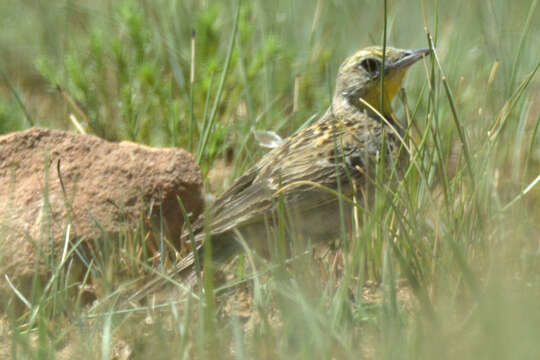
241,203
322,154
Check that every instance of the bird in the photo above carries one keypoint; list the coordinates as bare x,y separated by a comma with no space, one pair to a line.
309,171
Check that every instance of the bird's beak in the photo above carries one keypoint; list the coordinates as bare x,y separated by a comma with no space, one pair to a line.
395,70
409,58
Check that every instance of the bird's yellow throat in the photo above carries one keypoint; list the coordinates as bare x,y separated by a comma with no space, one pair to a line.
392,83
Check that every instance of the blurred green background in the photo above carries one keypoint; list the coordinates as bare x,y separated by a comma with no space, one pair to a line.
127,63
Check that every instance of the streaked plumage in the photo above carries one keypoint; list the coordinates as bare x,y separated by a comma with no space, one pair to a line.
342,146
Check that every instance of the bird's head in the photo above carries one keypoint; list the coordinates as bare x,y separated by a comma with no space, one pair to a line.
360,75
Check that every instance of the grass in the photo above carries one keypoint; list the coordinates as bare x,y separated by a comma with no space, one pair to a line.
446,263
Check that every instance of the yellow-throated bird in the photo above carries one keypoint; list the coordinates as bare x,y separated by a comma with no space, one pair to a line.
340,148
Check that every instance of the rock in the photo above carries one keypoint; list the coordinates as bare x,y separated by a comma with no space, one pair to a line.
52,181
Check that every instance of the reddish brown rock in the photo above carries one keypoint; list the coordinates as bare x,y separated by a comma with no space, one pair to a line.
50,179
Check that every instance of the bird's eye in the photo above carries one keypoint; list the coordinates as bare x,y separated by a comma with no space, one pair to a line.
372,66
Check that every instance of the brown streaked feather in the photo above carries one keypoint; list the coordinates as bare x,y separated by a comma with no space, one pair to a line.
321,153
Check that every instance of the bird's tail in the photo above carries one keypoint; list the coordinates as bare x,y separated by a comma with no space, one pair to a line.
184,275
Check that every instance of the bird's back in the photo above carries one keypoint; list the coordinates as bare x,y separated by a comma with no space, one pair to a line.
303,173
